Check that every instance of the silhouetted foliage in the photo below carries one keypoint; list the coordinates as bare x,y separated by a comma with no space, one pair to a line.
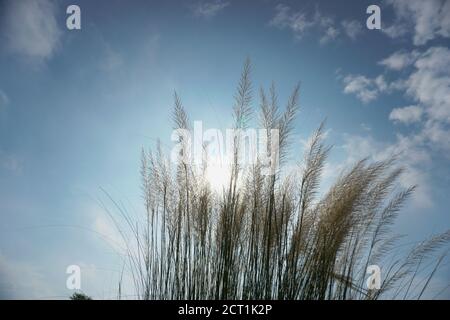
79,296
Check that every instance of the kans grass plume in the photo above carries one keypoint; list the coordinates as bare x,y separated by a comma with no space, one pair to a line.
269,237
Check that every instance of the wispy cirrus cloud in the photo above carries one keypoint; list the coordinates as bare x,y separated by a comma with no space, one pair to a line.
30,29
208,9
301,22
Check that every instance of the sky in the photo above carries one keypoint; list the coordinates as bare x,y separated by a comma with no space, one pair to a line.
77,107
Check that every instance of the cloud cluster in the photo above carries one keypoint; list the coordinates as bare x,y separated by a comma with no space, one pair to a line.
424,78
427,83
208,9
299,23
31,29
427,20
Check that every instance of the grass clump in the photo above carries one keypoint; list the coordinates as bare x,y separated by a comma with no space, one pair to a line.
271,236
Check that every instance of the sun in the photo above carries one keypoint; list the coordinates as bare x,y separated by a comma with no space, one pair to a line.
218,175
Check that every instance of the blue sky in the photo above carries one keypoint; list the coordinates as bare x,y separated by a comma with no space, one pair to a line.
77,106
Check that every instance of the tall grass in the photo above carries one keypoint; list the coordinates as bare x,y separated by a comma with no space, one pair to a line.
269,237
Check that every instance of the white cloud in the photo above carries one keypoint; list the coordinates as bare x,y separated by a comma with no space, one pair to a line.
366,89
400,60
31,29
352,28
406,115
429,84
425,79
396,30
427,19
361,86
208,9
438,135
381,83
